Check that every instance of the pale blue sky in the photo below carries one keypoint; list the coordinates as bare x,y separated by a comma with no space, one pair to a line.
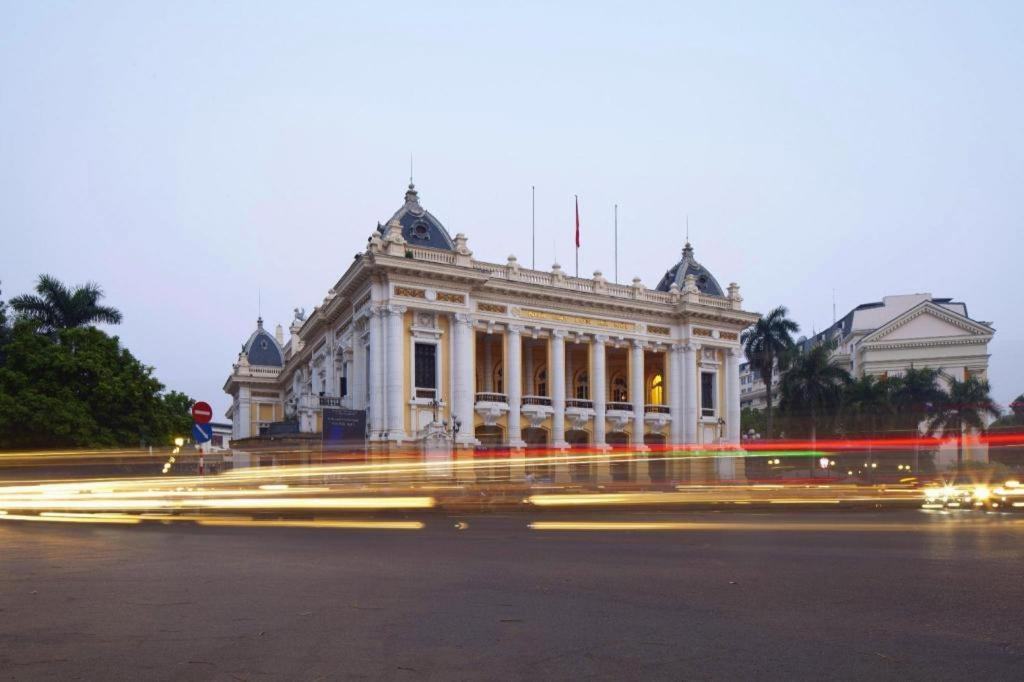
185,154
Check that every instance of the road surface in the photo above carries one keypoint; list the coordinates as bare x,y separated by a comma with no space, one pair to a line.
896,595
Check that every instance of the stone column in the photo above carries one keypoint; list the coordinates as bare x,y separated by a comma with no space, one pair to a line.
557,378
691,400
244,413
357,374
396,397
513,385
376,406
462,385
597,386
674,358
732,395
636,391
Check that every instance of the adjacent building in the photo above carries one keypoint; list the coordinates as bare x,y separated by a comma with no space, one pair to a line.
417,331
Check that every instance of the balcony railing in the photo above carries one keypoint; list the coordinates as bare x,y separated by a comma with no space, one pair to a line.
658,409
330,401
578,402
620,405
428,393
536,400
491,398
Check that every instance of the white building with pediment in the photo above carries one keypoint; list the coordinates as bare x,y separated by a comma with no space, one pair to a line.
910,330
417,326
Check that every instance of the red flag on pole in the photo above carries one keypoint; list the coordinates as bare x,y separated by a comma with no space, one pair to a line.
577,222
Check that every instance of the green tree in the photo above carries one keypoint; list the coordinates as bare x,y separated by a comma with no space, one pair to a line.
4,330
913,396
1014,418
56,306
866,405
80,388
812,386
768,345
964,406
752,418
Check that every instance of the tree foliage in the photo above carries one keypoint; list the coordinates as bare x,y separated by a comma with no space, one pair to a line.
964,406
812,387
1015,418
768,345
56,306
78,387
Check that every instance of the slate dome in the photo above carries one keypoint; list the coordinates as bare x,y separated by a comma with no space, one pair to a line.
706,282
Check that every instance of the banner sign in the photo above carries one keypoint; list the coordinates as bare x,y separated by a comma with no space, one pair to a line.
344,427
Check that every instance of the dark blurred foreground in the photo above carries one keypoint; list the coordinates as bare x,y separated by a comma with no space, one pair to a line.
901,595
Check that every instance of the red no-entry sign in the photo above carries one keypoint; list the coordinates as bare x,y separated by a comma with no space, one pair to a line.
202,412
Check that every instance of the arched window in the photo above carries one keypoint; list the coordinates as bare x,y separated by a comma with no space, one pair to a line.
581,385
540,381
620,394
655,390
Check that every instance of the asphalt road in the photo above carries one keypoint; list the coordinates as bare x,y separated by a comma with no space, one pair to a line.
935,597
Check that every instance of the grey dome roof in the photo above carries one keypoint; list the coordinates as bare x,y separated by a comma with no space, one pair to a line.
706,282
262,349
419,227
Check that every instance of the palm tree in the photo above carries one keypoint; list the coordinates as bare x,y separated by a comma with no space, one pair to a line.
964,405
768,344
865,404
58,306
814,384
913,396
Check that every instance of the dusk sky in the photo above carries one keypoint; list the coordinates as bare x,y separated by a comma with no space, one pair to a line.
187,156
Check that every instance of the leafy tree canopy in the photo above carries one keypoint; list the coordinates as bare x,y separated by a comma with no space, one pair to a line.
79,387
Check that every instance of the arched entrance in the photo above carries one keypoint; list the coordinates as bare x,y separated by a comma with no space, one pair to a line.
490,436
617,438
657,464
577,437
535,437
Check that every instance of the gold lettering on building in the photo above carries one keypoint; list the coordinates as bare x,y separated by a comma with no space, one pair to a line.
410,292
577,320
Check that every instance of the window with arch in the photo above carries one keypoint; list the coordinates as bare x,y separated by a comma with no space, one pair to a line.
540,381
581,385
655,390
620,391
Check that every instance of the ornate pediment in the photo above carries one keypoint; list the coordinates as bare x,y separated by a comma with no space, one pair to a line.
929,322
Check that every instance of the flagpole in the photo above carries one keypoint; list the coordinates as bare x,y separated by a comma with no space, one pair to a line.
533,227
616,243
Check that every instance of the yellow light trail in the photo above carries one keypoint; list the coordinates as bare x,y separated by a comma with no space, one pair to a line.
626,526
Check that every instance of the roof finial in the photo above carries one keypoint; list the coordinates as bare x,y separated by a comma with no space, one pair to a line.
687,228
410,171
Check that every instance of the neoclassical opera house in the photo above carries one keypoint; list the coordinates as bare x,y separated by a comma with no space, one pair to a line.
418,327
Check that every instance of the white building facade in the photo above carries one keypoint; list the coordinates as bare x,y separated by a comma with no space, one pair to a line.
418,330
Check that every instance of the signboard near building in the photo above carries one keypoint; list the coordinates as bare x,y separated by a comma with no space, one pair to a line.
344,429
